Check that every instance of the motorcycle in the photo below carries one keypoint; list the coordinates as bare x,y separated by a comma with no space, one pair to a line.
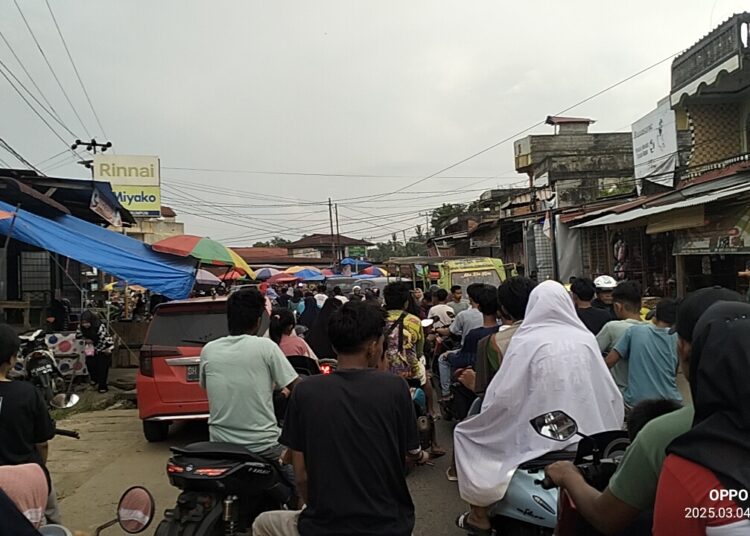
135,512
224,487
37,364
597,458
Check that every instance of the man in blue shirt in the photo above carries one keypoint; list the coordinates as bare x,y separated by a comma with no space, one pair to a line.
651,352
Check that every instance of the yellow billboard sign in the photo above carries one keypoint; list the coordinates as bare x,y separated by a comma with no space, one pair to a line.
139,200
130,170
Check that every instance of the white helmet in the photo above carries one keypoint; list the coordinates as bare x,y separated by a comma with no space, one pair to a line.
605,283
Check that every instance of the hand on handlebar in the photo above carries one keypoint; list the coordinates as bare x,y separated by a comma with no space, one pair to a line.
558,473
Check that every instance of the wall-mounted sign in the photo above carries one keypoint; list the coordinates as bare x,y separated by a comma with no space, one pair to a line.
135,180
655,145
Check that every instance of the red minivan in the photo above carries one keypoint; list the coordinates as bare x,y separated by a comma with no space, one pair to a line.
168,379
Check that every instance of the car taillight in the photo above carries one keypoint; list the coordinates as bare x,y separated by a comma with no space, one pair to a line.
211,471
172,468
325,369
149,352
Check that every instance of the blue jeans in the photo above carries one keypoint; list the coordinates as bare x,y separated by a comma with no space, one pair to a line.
446,371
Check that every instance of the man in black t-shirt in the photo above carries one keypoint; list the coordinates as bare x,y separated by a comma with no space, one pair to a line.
350,434
25,424
593,318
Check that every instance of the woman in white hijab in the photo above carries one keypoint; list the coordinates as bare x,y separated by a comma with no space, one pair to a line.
553,363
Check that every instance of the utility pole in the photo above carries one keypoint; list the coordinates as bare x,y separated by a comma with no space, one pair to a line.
91,146
330,219
339,253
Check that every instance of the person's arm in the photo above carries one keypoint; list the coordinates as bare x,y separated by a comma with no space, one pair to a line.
603,510
43,450
612,358
300,473
621,349
282,371
604,339
414,450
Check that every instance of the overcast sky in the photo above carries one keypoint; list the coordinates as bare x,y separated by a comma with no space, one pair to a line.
392,89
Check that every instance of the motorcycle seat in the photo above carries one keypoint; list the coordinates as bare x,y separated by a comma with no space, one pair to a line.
216,450
547,459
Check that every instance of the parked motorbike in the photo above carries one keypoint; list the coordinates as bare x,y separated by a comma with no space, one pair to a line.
597,458
135,512
37,364
224,487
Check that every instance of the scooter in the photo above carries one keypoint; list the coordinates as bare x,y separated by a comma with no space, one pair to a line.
135,512
224,488
597,458
38,365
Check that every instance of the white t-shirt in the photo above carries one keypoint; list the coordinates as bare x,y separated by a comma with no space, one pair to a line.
444,313
342,299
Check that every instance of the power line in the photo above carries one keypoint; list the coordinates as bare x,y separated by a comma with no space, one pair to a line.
52,115
75,68
20,158
46,60
39,164
28,74
513,136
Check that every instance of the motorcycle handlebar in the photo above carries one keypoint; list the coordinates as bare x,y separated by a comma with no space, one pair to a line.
546,483
67,433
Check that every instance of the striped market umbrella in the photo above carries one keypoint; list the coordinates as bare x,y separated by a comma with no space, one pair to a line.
374,270
205,250
266,273
296,269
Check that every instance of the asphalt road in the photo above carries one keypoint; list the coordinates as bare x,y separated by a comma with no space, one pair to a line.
91,473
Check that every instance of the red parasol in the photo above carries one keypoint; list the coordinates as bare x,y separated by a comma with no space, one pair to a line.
282,278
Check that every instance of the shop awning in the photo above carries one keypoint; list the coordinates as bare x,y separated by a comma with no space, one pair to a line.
116,254
645,212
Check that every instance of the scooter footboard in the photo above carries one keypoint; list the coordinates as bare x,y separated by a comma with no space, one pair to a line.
526,501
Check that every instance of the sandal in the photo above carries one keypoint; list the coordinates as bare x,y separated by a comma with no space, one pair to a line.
436,453
451,475
462,522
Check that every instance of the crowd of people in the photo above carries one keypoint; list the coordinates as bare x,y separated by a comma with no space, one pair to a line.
524,349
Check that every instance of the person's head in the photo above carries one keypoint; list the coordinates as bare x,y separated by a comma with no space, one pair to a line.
282,323
441,296
582,290
427,298
457,293
356,331
513,297
89,321
298,294
418,294
244,311
688,314
646,411
626,298
666,312
572,279
604,286
487,300
9,344
322,289
396,296
473,292
357,290
337,291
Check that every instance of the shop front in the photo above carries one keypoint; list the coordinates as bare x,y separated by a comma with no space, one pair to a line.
717,253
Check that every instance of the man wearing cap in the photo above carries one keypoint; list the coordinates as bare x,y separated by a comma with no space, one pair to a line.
651,352
632,490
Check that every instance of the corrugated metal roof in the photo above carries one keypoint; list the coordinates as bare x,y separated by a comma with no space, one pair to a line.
642,212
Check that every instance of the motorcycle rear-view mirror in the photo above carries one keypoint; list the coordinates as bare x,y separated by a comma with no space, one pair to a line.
136,510
555,425
427,322
64,401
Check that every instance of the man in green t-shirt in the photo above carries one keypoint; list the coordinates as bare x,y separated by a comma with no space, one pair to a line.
626,299
632,489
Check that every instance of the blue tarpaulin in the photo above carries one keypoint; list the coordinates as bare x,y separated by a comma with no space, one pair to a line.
355,262
125,258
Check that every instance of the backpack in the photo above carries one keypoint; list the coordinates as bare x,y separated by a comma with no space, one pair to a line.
401,349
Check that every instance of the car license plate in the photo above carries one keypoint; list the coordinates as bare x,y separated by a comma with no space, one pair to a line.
192,373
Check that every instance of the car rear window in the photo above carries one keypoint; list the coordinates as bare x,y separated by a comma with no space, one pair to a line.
186,328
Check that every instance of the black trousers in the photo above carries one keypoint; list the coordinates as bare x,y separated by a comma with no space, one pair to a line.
98,366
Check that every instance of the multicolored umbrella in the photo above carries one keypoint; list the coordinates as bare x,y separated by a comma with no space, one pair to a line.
296,269
204,277
309,275
233,275
207,251
327,272
266,273
374,270
282,278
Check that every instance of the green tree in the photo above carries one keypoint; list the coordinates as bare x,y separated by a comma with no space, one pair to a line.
275,242
444,213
